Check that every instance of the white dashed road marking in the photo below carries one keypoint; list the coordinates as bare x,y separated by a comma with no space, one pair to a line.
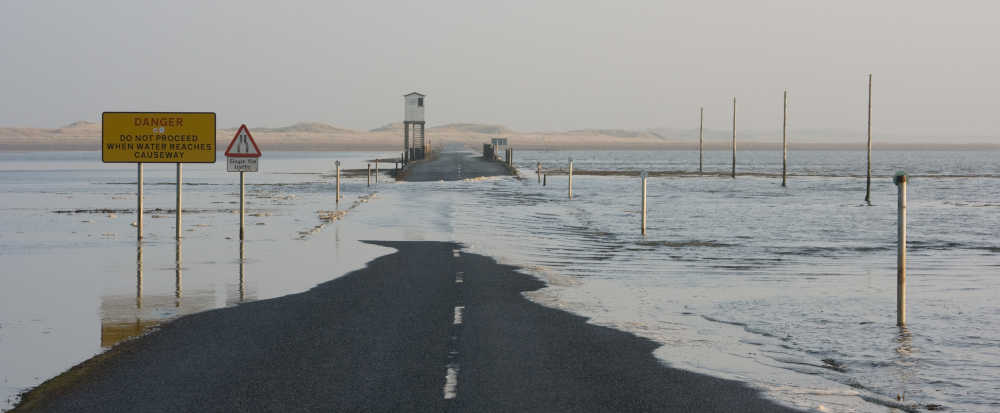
451,382
458,315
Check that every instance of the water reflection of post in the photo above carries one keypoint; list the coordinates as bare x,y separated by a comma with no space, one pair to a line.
904,365
177,290
243,283
138,275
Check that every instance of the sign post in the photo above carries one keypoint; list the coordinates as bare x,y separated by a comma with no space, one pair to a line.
157,137
138,218
338,181
242,155
177,223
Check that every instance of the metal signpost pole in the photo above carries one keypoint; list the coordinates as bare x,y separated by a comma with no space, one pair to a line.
178,223
242,205
138,220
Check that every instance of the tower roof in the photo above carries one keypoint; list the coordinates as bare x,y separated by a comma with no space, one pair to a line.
414,93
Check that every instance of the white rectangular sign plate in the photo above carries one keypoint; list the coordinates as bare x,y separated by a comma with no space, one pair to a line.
234,164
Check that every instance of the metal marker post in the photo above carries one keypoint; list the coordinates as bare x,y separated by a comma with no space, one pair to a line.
734,137
642,177
784,141
338,182
178,223
138,210
539,172
900,181
701,135
868,185
376,171
570,178
369,174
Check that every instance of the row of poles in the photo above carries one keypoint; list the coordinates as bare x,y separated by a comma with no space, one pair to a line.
899,180
337,165
784,141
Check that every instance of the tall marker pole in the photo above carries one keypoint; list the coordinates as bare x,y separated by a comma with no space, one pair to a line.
642,177
701,137
868,187
338,182
570,178
901,256
178,223
784,141
138,219
734,137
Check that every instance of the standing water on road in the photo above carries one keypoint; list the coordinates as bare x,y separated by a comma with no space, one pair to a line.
789,289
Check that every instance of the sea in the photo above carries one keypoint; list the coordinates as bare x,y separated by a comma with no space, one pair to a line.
791,290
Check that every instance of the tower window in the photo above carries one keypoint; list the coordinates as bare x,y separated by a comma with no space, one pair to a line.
420,102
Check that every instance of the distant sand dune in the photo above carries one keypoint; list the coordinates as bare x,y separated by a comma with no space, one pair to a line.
319,136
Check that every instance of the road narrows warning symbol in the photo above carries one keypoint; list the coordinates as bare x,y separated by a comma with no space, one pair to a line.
243,145
242,154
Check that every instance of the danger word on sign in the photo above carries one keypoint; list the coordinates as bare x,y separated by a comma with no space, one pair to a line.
158,137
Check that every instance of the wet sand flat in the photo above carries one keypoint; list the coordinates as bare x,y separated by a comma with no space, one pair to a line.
384,338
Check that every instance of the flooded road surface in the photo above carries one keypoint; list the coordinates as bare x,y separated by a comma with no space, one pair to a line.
453,166
427,328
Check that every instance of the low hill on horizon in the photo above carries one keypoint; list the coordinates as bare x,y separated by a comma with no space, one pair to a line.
85,135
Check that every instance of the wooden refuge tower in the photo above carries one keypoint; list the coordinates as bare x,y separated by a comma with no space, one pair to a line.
414,146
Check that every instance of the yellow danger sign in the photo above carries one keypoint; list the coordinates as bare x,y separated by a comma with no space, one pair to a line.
158,137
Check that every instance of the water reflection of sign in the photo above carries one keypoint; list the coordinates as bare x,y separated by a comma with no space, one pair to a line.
242,154
158,137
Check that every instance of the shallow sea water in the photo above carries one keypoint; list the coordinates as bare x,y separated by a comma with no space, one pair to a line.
791,290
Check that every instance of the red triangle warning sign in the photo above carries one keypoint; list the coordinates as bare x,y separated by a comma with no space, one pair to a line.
243,145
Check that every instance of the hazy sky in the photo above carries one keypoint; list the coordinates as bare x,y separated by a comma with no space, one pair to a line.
531,65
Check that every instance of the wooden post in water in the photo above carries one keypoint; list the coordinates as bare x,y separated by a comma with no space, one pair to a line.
376,171
570,178
784,141
868,186
243,209
539,172
338,181
369,174
138,218
545,179
178,223
642,177
900,181
734,137
701,137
